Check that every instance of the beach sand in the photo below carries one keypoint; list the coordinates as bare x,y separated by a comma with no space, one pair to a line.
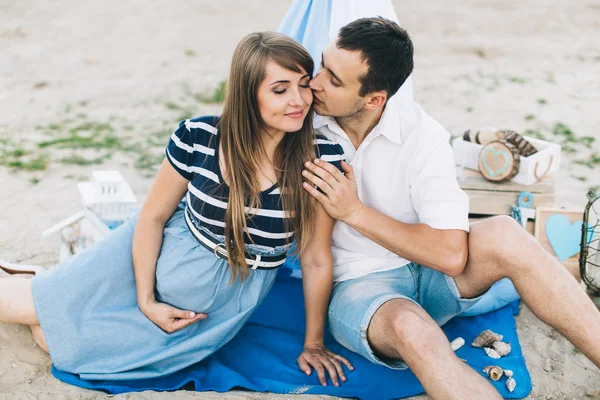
120,75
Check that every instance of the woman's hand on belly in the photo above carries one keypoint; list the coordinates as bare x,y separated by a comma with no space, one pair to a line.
168,318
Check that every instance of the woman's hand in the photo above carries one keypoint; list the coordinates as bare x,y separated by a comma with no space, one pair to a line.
170,319
321,359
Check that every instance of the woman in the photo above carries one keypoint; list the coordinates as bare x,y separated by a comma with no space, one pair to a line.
178,281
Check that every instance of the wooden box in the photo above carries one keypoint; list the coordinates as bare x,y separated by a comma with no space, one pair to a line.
491,198
539,165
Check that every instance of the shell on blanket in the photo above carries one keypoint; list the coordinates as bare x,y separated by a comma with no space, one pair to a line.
494,372
511,384
508,373
491,352
486,339
502,348
457,343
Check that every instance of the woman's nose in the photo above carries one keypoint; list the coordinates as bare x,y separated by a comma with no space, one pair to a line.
296,99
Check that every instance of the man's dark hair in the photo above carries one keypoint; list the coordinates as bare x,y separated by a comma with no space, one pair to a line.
387,50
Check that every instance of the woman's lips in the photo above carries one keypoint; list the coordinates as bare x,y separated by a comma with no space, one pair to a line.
295,115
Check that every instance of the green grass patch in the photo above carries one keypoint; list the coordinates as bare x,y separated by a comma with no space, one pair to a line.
517,79
16,153
529,117
76,159
216,97
568,136
38,163
592,161
580,178
93,142
147,161
172,106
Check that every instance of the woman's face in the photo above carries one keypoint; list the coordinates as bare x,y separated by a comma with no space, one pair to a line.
284,98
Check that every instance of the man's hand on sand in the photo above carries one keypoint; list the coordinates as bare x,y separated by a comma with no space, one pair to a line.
338,194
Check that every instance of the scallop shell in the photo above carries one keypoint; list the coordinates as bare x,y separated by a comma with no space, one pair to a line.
494,372
508,373
457,343
511,384
502,348
486,339
491,352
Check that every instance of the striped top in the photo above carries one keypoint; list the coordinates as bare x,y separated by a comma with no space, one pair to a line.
192,151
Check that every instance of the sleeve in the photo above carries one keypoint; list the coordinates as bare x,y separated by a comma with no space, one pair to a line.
180,150
329,151
434,190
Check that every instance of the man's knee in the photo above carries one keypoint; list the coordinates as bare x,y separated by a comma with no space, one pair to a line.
408,330
496,238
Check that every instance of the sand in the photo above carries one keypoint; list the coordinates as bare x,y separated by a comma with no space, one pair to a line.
139,67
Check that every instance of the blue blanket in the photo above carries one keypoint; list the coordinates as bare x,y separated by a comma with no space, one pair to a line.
262,357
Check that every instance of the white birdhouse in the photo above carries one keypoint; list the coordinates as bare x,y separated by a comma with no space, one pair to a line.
109,196
107,200
77,232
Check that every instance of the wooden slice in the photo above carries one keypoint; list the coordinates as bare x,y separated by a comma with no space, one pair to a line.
481,135
523,146
488,135
499,161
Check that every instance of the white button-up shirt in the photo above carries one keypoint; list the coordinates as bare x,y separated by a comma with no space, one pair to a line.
405,169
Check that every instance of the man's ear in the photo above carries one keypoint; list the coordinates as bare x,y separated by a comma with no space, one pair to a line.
376,100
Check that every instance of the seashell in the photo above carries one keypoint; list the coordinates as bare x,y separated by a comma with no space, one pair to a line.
457,343
502,348
494,372
511,384
491,352
508,373
486,339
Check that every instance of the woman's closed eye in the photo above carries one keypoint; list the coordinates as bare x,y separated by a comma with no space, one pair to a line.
302,85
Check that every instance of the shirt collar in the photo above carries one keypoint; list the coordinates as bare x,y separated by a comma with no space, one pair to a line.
389,124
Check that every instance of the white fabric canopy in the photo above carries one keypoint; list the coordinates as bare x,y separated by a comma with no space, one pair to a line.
314,23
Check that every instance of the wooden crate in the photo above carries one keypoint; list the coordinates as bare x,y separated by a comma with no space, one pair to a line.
489,198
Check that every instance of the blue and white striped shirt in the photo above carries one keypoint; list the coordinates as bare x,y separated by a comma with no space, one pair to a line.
193,152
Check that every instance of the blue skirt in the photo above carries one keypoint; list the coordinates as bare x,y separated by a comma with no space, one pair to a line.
88,311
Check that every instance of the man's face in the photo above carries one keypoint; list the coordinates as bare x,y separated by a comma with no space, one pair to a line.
336,85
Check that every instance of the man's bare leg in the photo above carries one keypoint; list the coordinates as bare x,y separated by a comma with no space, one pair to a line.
401,329
499,248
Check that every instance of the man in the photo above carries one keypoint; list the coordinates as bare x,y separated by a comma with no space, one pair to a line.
406,259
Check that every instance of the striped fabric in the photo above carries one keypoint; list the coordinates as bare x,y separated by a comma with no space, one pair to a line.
192,151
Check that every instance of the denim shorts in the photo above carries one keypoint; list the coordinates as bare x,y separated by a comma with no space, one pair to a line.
355,301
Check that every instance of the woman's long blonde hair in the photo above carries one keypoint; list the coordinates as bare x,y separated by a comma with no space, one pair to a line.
240,128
